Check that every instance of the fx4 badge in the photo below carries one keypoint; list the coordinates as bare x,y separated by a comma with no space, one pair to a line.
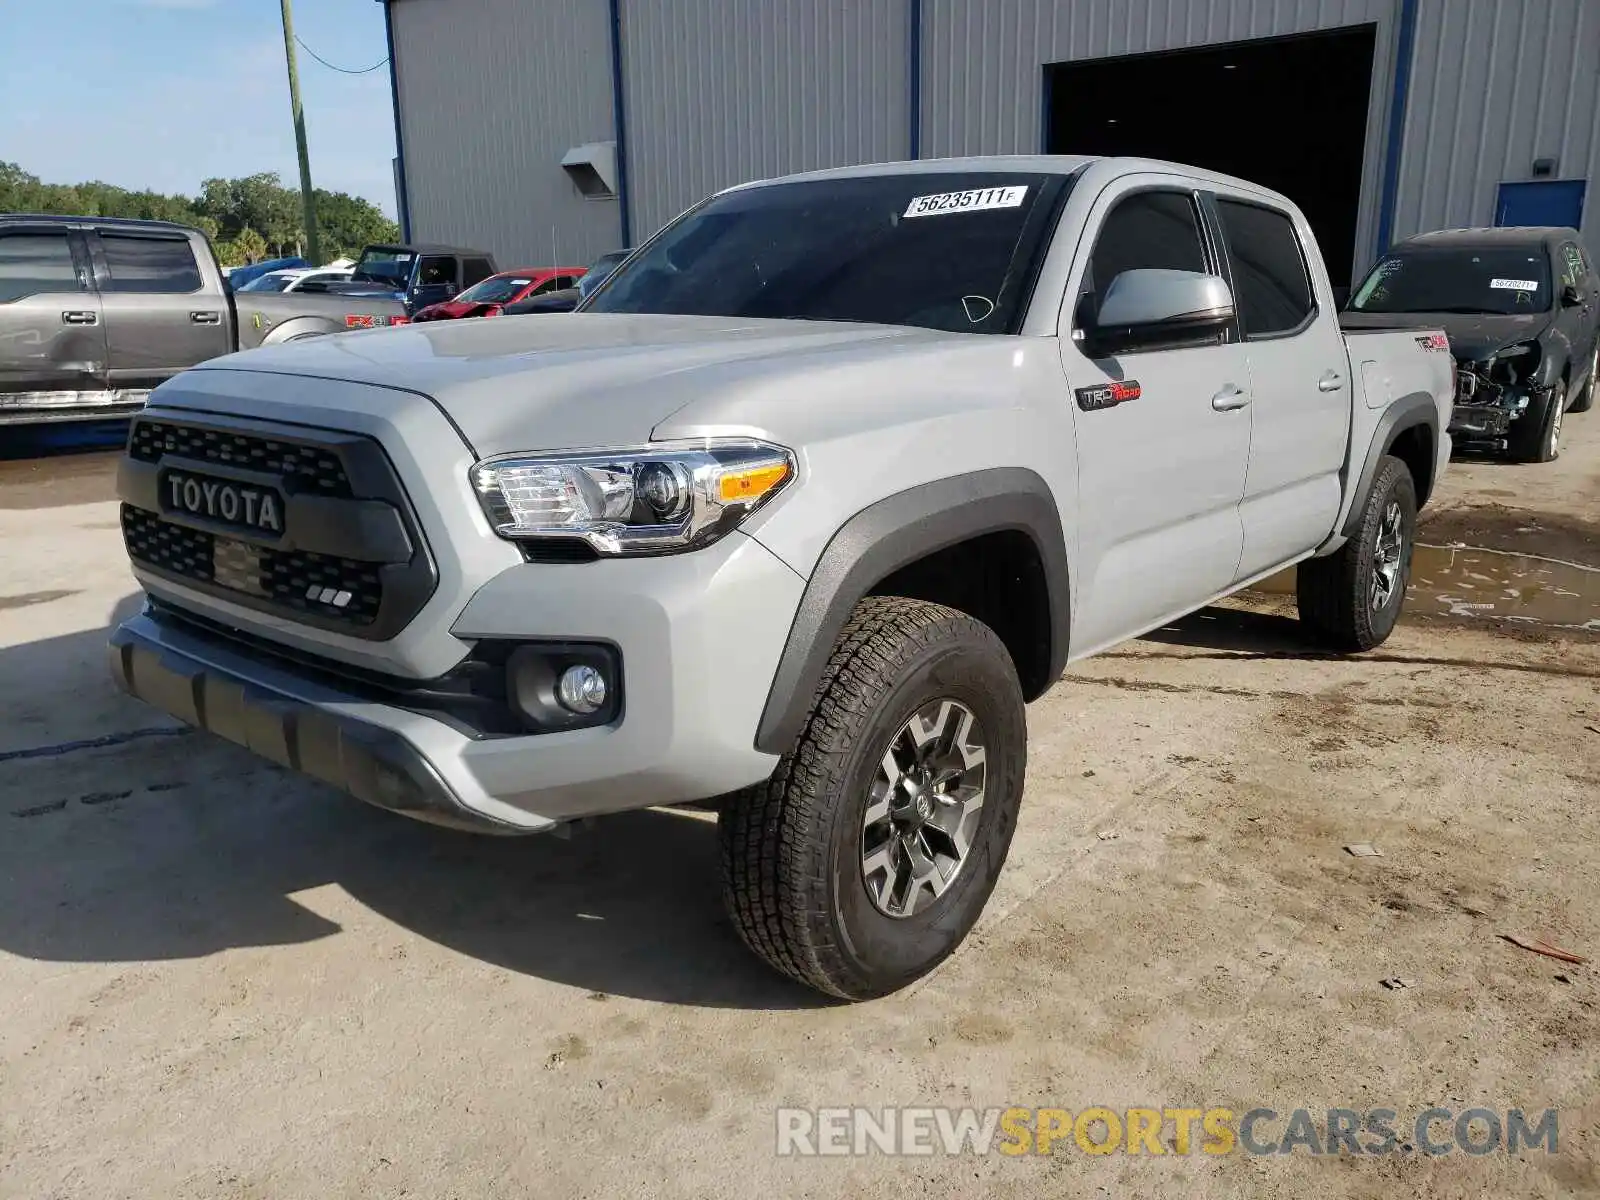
1107,395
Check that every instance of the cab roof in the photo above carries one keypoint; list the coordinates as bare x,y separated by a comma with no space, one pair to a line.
1036,164
1511,236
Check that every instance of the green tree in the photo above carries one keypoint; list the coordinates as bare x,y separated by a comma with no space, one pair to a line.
345,223
250,218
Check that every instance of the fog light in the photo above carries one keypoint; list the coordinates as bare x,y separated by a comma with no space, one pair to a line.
581,689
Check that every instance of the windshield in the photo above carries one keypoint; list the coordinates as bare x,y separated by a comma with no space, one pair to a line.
955,251
384,266
267,283
1462,279
496,289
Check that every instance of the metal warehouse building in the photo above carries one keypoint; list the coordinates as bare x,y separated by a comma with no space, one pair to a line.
555,130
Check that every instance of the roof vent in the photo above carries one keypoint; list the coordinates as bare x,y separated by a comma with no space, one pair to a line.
592,167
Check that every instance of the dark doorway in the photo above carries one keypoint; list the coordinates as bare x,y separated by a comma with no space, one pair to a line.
1289,113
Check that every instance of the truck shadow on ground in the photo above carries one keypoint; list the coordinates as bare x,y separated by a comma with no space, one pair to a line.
177,845
1241,635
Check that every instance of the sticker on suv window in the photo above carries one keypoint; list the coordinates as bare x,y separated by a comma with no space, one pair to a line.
1515,285
977,200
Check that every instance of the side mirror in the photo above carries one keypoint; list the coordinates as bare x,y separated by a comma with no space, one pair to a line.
1571,297
1148,307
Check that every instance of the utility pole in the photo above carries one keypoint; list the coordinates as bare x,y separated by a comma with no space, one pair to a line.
308,204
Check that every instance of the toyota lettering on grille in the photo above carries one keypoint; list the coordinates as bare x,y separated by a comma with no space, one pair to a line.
241,505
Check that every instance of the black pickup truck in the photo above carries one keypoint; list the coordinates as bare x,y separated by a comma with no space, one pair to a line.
97,311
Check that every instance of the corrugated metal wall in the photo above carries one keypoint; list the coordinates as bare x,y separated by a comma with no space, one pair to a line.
983,60
492,94
1496,84
718,92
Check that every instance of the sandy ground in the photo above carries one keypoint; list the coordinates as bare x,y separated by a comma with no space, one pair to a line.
221,981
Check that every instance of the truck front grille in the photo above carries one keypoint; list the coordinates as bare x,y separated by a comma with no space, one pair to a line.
340,589
320,468
370,572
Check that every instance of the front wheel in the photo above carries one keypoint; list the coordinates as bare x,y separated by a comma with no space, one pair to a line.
866,859
1352,598
1585,400
1536,436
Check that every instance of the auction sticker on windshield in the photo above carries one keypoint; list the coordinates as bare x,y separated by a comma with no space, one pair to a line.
977,200
1515,285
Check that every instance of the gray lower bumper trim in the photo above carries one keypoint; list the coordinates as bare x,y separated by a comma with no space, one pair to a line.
373,764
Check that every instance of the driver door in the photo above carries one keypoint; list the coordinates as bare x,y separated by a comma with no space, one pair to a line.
1163,433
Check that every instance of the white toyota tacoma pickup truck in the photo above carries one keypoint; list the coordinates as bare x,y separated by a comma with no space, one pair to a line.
794,515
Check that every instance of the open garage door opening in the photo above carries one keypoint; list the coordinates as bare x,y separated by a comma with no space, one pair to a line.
1289,113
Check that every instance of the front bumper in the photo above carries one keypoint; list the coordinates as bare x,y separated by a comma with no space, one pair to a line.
698,636
276,719
1476,422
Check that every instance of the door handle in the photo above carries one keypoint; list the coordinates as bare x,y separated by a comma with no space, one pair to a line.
205,318
1331,382
1229,399
80,317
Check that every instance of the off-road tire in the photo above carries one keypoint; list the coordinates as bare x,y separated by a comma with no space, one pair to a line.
792,875
1334,592
1585,400
1531,436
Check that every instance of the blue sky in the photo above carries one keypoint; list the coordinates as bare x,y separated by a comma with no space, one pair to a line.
165,93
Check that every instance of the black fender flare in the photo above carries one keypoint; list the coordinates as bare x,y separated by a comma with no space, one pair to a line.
890,534
1408,412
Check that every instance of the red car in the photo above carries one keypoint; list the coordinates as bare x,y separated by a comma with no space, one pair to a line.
488,297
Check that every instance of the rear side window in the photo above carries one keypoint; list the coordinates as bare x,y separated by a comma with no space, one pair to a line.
35,263
147,264
1271,286
475,270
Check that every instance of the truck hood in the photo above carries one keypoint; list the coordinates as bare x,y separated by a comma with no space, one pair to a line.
1474,337
558,382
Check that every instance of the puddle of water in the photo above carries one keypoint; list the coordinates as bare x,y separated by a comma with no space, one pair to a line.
1470,582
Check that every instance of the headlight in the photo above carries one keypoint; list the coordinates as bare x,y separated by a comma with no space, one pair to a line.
647,500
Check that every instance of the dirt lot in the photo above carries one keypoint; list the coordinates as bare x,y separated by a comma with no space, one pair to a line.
219,980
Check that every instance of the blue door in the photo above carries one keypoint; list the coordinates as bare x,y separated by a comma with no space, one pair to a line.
1541,202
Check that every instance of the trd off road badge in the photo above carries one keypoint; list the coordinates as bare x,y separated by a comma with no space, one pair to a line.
1107,395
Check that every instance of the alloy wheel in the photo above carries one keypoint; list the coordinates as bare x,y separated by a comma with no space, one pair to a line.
1388,557
923,808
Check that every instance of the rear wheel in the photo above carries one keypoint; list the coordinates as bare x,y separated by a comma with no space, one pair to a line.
1352,598
866,859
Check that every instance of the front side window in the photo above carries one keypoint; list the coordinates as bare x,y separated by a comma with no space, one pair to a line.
436,269
1457,279
33,264
1148,231
955,251
148,264
1272,288
1573,272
